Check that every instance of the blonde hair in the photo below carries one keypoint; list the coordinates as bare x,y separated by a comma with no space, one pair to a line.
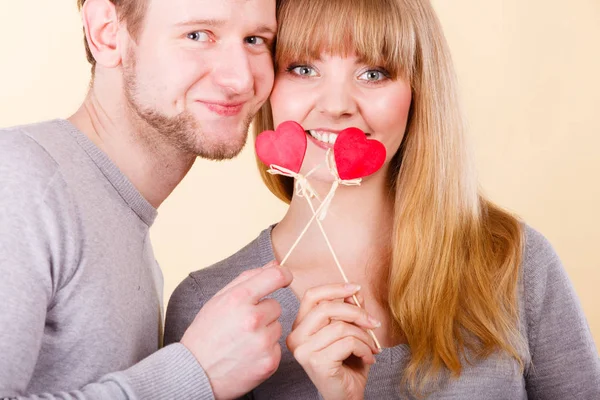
455,257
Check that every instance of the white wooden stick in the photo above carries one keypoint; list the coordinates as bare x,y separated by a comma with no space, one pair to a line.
303,231
337,263
315,213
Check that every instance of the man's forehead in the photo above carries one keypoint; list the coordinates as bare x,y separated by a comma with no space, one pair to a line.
214,12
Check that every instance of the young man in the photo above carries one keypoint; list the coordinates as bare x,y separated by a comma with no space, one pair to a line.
173,80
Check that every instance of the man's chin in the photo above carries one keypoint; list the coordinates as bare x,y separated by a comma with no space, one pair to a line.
219,151
220,141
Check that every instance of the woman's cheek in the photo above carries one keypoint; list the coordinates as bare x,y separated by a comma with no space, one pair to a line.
290,102
387,115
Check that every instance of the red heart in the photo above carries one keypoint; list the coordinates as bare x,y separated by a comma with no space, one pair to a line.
356,156
285,146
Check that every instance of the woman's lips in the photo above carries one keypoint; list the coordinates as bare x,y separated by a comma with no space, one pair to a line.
320,144
322,138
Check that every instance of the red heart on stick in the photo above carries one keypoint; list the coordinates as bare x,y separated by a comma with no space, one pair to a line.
285,146
356,156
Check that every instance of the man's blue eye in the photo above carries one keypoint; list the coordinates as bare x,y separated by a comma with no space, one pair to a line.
255,40
198,36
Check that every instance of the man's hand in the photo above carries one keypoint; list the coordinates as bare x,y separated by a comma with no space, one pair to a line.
235,336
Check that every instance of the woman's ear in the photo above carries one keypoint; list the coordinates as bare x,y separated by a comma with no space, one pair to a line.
101,26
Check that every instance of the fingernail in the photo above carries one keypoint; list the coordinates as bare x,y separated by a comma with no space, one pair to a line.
351,287
374,322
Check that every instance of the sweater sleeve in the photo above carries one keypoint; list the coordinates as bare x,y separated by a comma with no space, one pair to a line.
37,254
170,373
564,359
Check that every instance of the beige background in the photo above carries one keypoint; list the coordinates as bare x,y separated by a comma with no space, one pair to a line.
529,74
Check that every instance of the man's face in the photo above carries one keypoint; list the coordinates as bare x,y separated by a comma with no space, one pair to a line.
200,70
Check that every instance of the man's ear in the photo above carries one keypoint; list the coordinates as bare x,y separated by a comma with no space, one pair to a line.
101,26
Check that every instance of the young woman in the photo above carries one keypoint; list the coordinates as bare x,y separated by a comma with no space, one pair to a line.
467,301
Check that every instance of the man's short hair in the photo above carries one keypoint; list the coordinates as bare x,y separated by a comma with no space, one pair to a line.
130,11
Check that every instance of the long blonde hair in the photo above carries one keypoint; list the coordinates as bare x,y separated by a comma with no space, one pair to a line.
455,257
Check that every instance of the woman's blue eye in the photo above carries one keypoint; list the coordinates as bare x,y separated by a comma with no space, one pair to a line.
303,70
373,75
198,36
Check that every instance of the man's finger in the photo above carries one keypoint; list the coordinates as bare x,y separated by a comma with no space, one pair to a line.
270,310
245,276
265,282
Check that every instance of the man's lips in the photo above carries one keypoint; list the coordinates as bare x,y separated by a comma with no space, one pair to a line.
226,109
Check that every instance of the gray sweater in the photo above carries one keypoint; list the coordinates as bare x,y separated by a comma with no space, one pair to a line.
81,290
564,362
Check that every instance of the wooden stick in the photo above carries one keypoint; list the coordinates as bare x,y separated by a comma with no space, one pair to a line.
337,263
315,213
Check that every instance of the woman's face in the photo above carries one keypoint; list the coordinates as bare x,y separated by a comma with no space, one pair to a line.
328,95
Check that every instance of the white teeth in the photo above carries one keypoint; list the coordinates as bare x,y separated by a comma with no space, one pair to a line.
325,137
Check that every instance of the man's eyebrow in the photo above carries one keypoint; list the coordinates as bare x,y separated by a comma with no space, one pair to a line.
205,22
262,29
266,29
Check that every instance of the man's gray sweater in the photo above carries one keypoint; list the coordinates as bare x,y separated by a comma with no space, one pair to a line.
81,308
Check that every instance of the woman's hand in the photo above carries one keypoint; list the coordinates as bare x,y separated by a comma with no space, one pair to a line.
330,341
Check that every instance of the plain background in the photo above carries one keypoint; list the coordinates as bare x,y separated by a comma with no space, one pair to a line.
530,83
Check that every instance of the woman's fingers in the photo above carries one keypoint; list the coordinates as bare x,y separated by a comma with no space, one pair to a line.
357,296
330,341
341,350
326,313
314,296
336,331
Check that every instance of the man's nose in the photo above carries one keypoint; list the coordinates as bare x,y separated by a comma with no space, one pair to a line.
234,73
